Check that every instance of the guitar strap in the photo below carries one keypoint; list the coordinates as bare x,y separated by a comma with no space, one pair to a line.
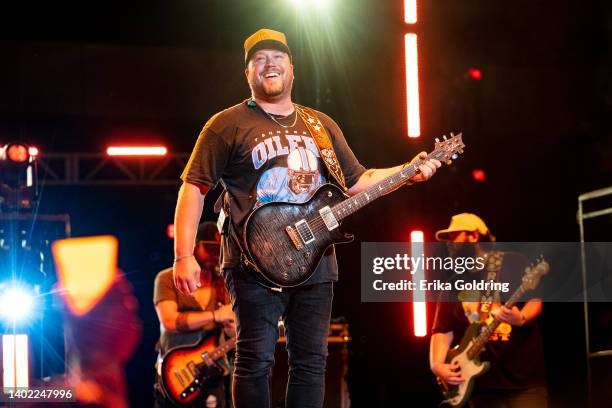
321,138
494,265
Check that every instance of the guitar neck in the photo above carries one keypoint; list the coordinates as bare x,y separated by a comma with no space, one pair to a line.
480,341
223,349
358,201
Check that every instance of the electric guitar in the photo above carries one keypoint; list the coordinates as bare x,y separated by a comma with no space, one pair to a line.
185,368
285,242
465,354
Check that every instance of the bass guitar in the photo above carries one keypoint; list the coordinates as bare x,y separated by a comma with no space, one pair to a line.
184,369
285,242
465,355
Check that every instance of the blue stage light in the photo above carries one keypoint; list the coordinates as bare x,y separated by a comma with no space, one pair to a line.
16,303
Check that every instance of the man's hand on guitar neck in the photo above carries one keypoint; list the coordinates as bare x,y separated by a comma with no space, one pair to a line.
373,176
447,373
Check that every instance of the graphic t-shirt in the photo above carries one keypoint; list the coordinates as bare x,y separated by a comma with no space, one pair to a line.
258,160
515,353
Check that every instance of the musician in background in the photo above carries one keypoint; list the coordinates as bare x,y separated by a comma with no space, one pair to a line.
516,378
185,319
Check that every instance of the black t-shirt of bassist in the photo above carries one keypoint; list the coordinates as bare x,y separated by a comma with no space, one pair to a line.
515,352
259,161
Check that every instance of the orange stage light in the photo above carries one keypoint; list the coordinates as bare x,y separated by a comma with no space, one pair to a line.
86,269
419,306
137,151
17,153
412,86
410,11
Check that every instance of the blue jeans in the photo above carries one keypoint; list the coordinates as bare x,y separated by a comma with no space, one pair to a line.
306,311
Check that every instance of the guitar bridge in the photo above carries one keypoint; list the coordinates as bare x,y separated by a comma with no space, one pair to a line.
293,235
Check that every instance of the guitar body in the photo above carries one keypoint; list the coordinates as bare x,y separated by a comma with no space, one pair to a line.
457,396
185,368
270,247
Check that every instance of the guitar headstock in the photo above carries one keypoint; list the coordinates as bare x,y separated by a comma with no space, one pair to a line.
534,273
449,148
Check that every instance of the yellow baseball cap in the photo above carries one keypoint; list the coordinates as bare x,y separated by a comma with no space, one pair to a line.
263,39
463,222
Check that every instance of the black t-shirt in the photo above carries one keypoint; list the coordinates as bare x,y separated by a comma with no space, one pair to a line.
259,161
515,353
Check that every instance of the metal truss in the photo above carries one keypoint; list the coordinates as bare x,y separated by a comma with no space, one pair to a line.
96,169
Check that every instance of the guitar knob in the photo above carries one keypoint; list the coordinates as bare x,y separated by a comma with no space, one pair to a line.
307,254
285,275
329,194
302,269
289,261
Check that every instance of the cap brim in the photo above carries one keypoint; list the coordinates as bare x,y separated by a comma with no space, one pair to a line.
443,235
266,44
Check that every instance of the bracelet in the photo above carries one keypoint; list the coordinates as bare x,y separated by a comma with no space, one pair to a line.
178,258
214,317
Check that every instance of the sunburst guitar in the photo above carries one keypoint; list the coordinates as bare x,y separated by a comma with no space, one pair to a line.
184,369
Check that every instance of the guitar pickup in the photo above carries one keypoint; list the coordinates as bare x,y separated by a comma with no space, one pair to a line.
294,237
329,218
305,232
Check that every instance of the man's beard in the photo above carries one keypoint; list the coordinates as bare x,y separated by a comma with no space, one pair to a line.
270,91
462,249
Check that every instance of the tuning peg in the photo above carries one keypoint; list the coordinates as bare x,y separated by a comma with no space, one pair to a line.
461,151
444,137
437,140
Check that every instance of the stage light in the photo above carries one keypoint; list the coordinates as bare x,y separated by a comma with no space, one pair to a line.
33,151
16,303
17,153
479,175
15,366
320,4
170,231
137,151
86,269
410,11
412,86
419,306
475,74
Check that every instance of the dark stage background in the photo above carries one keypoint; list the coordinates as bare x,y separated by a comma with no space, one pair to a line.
78,77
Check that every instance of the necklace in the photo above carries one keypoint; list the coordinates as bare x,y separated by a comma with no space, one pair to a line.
280,124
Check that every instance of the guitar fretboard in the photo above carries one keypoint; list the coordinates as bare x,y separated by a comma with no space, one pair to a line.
222,350
483,337
350,205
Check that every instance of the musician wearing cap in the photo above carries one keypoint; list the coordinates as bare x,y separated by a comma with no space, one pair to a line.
188,318
265,149
516,377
